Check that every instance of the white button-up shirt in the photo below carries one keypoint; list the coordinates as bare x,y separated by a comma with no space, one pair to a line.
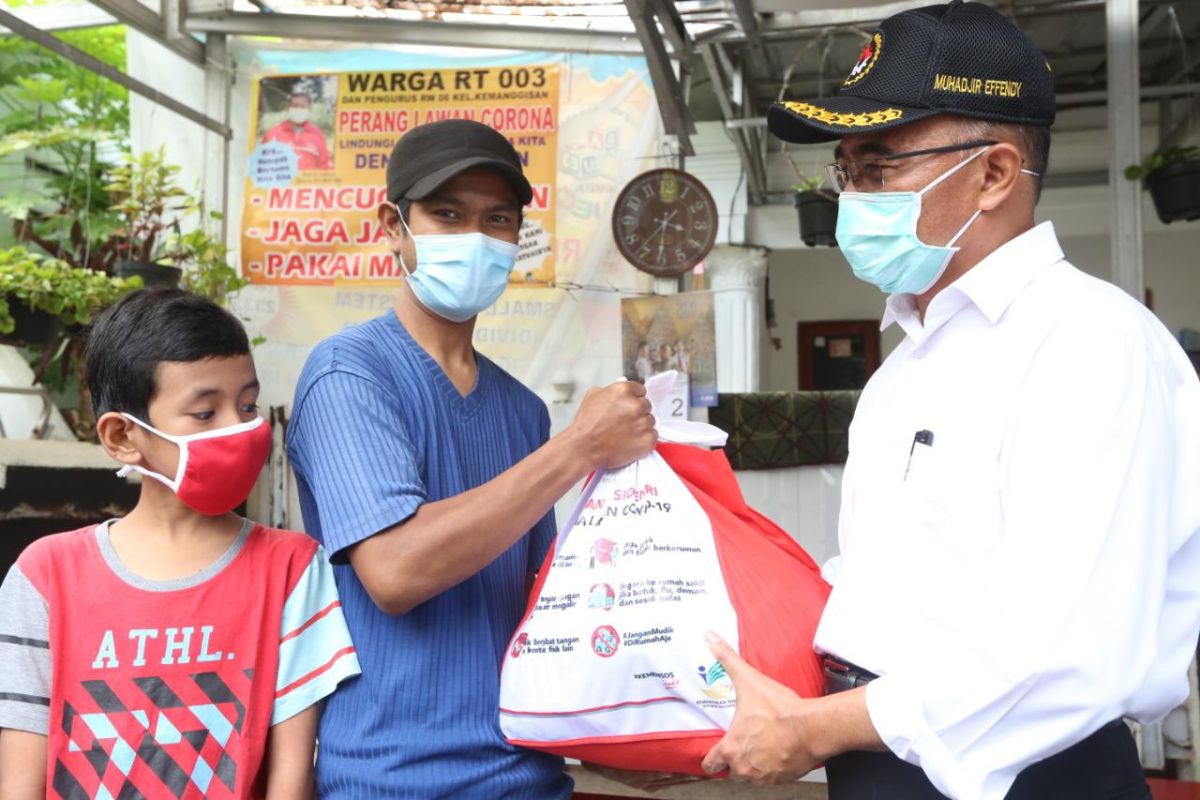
1033,571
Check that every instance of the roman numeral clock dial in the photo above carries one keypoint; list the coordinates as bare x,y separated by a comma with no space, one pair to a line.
664,222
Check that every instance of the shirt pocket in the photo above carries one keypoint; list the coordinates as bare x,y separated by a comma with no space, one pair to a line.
951,490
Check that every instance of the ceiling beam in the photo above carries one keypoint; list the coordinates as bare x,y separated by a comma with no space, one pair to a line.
388,30
673,27
746,21
754,167
677,119
74,54
150,23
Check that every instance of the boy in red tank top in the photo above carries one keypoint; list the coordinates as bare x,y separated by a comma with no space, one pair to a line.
181,651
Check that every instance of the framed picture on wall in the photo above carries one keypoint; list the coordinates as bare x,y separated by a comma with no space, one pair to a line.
837,354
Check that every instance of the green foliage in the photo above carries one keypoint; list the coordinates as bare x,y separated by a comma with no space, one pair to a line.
808,185
66,121
149,204
1159,159
47,284
206,267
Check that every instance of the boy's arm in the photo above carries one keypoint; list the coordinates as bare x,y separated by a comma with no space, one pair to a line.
290,749
22,765
24,684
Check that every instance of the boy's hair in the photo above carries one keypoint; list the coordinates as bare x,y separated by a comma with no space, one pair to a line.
129,340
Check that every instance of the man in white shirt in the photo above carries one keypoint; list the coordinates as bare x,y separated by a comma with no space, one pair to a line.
1020,565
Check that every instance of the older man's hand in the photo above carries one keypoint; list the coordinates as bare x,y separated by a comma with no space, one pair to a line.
768,741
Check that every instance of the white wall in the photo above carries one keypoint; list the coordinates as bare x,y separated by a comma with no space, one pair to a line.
809,284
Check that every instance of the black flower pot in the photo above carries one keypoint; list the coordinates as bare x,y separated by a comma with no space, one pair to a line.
818,218
151,274
32,328
1175,190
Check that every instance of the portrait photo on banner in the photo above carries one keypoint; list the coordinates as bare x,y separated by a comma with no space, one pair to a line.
298,110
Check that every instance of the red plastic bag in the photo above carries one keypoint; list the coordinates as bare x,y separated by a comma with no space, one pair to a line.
609,665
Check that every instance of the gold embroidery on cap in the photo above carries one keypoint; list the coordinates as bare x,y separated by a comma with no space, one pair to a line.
963,85
865,119
866,60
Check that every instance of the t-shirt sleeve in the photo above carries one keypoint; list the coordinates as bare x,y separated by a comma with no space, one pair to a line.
315,650
24,656
354,455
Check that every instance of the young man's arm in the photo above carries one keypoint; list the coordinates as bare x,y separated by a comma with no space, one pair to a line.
448,541
291,746
22,765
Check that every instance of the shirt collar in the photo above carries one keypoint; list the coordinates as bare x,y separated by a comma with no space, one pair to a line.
991,285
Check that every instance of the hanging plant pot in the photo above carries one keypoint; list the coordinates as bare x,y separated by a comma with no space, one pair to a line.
818,218
151,274
1175,190
32,328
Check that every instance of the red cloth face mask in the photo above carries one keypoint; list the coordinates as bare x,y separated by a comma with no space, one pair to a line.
217,468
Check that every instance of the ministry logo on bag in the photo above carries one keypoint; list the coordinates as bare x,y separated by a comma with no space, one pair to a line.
717,683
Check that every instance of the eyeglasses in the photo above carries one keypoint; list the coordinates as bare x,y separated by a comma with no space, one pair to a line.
868,174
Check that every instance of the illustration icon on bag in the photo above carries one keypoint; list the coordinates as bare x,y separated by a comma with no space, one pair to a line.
604,553
601,595
518,645
605,641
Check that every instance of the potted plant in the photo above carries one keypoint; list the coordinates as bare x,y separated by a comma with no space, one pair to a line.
1173,178
150,205
23,319
204,260
818,213
57,300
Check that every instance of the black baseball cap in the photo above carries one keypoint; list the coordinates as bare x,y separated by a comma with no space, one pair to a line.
429,155
965,59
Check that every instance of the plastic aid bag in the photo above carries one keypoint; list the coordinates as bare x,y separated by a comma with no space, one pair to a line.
610,664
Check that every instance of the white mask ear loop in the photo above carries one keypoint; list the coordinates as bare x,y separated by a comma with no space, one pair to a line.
946,175
400,255
954,169
172,484
979,211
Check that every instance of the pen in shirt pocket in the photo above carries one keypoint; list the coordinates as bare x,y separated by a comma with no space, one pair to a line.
922,437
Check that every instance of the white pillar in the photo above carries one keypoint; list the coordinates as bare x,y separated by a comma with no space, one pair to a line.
736,275
217,86
1124,124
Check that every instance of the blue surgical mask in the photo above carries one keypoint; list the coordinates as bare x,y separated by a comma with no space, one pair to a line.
459,275
877,234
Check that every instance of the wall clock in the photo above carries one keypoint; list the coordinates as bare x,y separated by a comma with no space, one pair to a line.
664,222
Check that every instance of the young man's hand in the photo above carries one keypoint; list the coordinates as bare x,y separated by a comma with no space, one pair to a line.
614,425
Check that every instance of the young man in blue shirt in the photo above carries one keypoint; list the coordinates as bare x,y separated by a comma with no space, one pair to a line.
429,475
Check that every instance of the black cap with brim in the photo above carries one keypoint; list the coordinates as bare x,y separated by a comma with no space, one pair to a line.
430,183
961,59
431,154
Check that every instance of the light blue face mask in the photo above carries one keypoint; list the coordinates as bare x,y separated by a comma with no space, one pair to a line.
877,234
459,274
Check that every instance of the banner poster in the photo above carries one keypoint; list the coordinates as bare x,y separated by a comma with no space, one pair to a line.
319,147
565,322
672,332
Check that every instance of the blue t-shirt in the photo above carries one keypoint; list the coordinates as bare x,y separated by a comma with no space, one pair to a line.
378,429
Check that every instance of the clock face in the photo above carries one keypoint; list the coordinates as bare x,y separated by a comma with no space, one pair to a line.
665,222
